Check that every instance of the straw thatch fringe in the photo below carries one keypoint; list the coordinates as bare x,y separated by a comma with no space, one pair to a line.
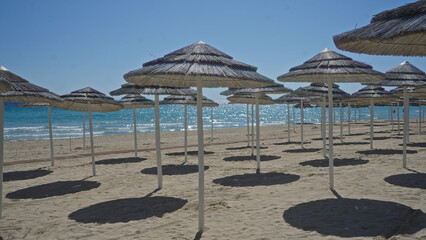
291,98
131,88
187,100
135,101
405,74
329,65
321,90
250,99
197,62
89,99
275,89
378,93
23,91
400,31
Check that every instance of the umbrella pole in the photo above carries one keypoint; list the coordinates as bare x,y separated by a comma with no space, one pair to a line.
84,130
257,135
404,141
1,152
324,141
252,129
288,121
52,158
391,108
91,142
397,104
371,122
135,131
200,157
420,118
157,141
349,119
211,117
341,122
248,127
330,135
186,133
294,120
301,122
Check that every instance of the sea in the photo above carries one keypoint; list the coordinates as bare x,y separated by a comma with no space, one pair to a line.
22,123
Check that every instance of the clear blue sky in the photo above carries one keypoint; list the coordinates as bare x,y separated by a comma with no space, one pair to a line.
67,45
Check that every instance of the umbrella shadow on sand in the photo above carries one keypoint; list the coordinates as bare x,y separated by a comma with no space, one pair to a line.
289,143
251,158
338,162
172,169
127,209
418,144
245,147
409,180
383,138
24,175
385,152
53,189
190,153
302,150
350,143
257,179
345,217
120,160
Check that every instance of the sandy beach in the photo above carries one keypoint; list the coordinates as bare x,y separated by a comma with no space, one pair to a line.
375,197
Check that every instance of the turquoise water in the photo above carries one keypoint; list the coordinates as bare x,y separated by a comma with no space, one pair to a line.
32,123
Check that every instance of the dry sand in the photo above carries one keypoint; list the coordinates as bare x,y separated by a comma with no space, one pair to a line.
375,197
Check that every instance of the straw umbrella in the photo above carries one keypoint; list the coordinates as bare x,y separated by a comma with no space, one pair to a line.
419,92
131,88
399,31
20,91
273,89
49,114
90,100
198,65
372,94
133,101
231,91
290,98
250,98
405,75
329,67
191,101
321,90
4,85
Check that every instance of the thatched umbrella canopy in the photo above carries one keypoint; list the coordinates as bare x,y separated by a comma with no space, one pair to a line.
4,85
131,88
405,75
199,65
20,91
49,113
250,99
372,94
23,91
305,105
329,67
90,100
189,101
133,101
320,90
399,31
290,98
231,91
